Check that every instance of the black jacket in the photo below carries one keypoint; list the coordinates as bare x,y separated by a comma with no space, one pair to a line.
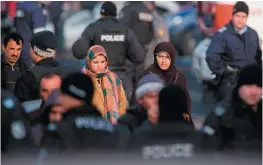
84,127
9,74
133,118
126,45
235,126
15,128
27,86
140,19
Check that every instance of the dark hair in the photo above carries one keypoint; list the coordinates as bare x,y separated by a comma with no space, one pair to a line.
13,36
50,75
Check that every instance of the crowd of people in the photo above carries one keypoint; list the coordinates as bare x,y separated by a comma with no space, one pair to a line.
91,109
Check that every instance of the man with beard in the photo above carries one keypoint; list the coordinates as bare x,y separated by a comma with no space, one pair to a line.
12,66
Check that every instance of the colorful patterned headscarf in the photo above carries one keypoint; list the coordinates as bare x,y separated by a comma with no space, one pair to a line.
110,83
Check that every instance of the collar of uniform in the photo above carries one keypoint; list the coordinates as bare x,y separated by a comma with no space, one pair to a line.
48,62
234,30
84,109
108,18
242,31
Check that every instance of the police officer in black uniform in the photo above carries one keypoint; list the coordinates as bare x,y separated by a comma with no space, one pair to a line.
15,128
119,41
139,18
233,47
82,126
30,18
239,125
43,51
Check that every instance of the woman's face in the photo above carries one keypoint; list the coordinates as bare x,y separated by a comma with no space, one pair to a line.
164,61
98,64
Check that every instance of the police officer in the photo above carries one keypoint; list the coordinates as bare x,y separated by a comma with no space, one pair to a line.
233,47
30,18
42,52
239,125
140,19
14,126
119,41
81,124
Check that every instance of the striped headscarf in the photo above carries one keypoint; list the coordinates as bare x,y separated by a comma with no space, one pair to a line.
110,83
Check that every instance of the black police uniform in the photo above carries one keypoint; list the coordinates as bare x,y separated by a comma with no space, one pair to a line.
140,19
236,126
15,127
228,53
84,127
10,74
27,86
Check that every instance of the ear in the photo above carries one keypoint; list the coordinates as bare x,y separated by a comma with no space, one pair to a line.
140,101
3,47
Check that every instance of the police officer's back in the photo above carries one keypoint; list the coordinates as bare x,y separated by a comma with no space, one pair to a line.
43,45
239,125
140,19
82,126
233,47
119,41
30,18
173,126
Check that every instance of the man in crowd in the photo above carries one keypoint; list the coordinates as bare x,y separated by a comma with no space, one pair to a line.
12,66
233,47
42,52
240,124
147,94
30,18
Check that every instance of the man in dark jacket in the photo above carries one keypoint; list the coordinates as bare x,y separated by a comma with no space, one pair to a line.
119,41
146,96
167,127
42,51
240,124
233,47
11,64
81,125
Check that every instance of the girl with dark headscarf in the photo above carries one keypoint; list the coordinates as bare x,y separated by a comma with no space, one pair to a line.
163,66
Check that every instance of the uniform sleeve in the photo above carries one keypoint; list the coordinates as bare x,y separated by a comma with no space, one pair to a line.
87,35
126,17
25,88
38,20
213,53
135,52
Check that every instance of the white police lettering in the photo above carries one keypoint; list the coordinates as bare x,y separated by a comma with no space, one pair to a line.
112,38
168,151
79,92
145,17
93,123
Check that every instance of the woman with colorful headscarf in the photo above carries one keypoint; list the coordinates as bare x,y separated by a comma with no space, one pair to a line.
109,96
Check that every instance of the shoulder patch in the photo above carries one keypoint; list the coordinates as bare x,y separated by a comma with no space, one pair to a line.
208,130
18,130
8,103
222,29
220,110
